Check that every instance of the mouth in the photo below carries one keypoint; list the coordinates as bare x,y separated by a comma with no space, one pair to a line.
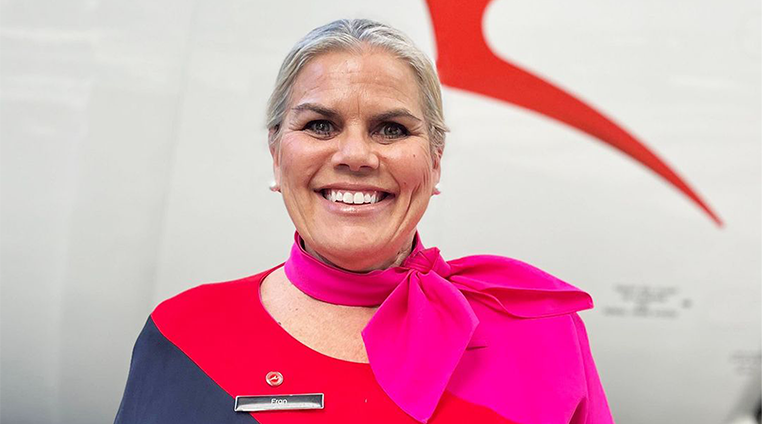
354,197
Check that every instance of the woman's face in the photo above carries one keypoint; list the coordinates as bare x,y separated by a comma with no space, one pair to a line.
353,162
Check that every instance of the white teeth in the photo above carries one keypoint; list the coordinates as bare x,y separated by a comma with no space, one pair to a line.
353,198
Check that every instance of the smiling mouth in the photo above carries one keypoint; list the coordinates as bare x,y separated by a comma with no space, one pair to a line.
351,197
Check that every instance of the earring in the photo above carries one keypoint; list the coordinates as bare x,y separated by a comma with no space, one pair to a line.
437,189
274,187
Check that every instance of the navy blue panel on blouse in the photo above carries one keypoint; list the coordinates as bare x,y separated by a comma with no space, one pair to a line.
165,386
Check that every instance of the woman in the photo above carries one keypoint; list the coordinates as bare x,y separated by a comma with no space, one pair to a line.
362,322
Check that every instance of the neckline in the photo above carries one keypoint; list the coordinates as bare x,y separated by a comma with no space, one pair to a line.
273,323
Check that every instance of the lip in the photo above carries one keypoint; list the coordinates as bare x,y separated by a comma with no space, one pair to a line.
366,209
353,187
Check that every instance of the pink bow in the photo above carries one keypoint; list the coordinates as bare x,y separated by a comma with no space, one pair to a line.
425,322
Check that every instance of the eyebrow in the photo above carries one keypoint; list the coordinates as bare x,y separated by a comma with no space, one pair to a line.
330,113
395,113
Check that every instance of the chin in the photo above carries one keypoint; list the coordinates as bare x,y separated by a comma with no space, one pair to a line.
356,250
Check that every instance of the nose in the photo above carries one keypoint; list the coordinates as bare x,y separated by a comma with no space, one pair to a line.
356,151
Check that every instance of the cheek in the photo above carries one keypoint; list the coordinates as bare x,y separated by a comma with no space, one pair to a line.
414,171
298,160
289,163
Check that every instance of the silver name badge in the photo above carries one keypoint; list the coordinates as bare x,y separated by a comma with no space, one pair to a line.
278,402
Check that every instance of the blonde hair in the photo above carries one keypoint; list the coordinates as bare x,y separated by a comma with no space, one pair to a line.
353,35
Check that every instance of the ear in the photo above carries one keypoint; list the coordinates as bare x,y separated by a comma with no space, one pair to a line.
275,153
437,169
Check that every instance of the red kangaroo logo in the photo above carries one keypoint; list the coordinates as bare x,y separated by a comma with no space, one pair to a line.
465,61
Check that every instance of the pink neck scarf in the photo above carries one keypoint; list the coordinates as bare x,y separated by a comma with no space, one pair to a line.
425,321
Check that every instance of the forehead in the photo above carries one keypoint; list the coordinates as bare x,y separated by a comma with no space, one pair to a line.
371,78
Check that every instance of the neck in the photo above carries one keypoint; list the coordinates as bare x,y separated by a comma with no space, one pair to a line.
396,260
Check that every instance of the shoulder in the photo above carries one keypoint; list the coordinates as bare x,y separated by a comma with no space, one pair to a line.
179,358
516,287
203,305
508,271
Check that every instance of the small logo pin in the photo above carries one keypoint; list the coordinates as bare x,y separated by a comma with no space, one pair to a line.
274,378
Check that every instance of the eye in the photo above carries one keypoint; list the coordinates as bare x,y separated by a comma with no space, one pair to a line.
392,130
321,127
